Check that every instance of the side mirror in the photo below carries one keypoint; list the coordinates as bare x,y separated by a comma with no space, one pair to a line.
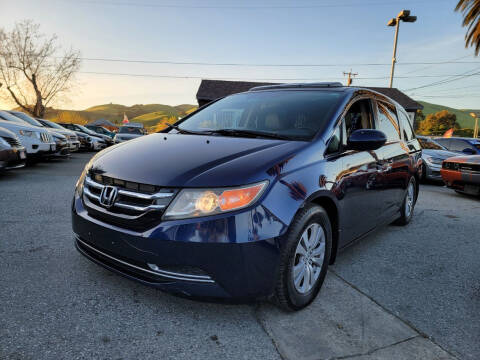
366,139
468,151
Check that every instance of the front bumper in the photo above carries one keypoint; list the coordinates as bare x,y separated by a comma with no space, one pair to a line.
432,171
74,146
462,181
238,253
13,158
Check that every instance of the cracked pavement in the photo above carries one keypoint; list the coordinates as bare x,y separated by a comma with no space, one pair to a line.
386,298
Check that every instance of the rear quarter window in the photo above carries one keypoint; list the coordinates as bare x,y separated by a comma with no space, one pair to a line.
407,130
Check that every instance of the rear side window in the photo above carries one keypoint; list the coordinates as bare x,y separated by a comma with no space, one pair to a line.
406,126
387,121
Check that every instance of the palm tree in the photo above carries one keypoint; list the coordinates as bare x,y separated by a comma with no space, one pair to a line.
471,19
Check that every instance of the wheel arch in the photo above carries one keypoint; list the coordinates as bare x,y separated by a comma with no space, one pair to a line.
330,206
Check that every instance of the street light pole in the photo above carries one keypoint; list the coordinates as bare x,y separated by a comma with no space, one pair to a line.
404,16
394,58
475,130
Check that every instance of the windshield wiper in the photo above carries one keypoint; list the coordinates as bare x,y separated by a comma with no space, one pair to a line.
249,133
185,131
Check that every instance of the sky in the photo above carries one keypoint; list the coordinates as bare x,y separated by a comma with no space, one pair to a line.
348,34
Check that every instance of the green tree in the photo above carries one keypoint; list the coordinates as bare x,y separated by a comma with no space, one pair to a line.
471,19
438,123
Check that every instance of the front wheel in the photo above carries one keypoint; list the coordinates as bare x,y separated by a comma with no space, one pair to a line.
406,211
304,258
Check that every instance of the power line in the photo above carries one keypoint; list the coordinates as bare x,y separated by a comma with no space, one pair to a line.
170,62
453,78
258,79
453,61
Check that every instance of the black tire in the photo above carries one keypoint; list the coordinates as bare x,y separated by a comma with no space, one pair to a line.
423,173
405,218
286,295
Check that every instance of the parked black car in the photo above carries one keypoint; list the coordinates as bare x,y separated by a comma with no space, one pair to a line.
253,195
97,141
12,153
129,132
100,130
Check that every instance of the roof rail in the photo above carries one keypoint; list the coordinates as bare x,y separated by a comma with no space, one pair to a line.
298,86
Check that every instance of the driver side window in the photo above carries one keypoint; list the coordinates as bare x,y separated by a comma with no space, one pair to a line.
359,116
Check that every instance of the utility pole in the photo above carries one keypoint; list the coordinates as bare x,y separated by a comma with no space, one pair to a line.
404,16
475,130
349,74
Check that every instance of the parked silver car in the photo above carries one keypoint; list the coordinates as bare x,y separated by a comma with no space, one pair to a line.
433,155
72,137
37,141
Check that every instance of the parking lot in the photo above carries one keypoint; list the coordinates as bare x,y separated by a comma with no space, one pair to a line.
402,292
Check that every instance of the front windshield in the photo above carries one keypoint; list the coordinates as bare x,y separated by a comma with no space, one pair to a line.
26,118
430,144
88,131
9,117
130,130
298,115
53,125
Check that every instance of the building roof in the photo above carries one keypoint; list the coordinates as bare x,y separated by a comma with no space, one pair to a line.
210,90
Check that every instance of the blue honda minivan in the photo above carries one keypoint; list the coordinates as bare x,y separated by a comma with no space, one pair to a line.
251,196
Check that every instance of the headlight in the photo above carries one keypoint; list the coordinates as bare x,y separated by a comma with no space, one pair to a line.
202,202
89,139
433,161
81,179
27,133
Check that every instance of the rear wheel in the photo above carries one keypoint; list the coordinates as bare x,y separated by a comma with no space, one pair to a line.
304,258
406,211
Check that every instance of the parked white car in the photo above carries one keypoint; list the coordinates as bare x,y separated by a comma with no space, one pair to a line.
37,141
54,132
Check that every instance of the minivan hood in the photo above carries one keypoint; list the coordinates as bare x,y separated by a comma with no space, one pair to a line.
181,160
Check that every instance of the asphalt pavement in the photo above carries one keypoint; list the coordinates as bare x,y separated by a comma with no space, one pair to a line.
403,292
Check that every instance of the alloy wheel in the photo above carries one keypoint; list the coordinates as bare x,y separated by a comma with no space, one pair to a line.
309,258
410,199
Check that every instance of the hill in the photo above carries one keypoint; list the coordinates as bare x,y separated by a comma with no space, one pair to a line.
463,116
149,114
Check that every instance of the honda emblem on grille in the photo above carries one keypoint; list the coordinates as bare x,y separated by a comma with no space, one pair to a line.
108,196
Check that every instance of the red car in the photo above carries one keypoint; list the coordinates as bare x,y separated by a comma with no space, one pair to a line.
462,174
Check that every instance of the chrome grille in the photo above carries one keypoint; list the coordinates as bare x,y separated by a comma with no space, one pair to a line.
136,206
72,138
466,167
45,137
12,141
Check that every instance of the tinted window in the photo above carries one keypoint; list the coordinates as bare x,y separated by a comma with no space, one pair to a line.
387,121
429,144
407,127
130,130
296,114
458,145
359,116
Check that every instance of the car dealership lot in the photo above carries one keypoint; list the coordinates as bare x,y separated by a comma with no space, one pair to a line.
383,297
